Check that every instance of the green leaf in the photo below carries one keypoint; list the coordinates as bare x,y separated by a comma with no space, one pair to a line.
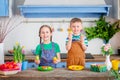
104,30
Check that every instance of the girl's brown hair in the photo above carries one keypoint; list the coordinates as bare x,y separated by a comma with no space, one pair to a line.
48,28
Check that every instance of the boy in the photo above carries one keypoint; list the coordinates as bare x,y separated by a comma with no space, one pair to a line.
76,44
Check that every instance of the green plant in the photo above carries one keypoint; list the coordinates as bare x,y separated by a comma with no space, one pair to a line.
103,29
18,53
115,73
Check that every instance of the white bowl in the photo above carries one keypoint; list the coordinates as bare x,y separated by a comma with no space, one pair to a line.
8,72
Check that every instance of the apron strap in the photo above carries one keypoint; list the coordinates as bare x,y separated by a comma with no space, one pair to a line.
41,45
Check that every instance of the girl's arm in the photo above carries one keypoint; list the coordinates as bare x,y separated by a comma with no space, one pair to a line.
58,59
68,45
37,52
37,60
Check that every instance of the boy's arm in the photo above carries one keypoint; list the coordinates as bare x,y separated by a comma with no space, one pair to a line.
84,46
82,43
68,45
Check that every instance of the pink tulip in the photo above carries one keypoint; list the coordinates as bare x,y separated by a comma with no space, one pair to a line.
23,51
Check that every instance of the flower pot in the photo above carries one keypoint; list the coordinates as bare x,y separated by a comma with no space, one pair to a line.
108,62
24,65
20,66
1,53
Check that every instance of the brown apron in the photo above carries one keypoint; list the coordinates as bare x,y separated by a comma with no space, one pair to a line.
76,55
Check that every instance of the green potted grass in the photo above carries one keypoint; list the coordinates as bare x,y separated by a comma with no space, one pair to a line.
18,53
103,29
19,56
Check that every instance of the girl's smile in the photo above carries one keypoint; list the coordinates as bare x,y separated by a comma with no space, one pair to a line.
45,34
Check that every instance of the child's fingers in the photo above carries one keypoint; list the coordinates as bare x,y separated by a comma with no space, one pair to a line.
82,37
70,36
56,61
37,61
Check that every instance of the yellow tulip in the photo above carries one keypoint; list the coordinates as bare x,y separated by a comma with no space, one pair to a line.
17,43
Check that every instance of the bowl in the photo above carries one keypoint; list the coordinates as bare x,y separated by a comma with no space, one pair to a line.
45,68
9,72
76,67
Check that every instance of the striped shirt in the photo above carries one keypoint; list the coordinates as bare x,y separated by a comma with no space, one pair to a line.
77,38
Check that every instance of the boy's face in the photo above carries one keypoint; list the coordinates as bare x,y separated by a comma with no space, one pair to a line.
45,34
76,27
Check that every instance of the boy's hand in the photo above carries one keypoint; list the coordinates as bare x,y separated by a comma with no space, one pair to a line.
70,36
82,39
82,42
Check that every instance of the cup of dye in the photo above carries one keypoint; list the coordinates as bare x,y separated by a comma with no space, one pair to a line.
115,64
24,65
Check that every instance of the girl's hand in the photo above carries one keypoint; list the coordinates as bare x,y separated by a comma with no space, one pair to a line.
37,61
56,61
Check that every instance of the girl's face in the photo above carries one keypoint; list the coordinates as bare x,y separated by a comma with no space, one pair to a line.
45,34
76,27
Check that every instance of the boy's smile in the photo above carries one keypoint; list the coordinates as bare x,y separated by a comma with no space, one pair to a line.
76,27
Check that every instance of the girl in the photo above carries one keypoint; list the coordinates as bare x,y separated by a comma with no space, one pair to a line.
76,44
47,49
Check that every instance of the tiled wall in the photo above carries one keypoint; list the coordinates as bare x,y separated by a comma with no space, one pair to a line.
27,34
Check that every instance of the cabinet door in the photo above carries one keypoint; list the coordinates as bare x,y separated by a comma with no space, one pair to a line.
32,65
3,7
61,65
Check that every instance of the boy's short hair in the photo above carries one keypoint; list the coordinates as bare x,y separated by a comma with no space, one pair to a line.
75,20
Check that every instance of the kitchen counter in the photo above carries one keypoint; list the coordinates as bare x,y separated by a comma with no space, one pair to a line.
96,58
58,74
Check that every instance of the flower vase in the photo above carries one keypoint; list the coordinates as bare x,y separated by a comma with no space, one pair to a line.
1,53
108,62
